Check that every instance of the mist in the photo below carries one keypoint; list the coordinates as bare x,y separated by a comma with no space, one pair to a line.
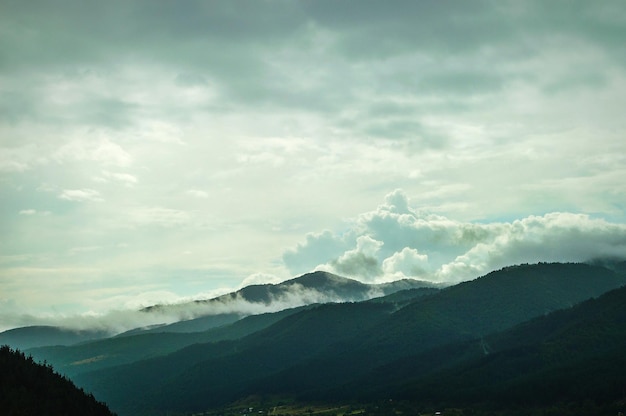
116,321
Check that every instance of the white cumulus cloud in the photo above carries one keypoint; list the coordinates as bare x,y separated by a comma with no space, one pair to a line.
397,241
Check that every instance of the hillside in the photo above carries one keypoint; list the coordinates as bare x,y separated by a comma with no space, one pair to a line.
329,346
224,369
490,303
127,348
37,336
568,363
28,388
463,312
569,356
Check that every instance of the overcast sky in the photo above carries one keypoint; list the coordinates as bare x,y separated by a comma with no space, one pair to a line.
152,151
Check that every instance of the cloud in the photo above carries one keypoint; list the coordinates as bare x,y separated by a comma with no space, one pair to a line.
32,212
397,241
84,249
99,149
20,158
125,179
81,195
554,237
164,217
406,263
197,193
318,248
7,165
259,278
361,261
415,135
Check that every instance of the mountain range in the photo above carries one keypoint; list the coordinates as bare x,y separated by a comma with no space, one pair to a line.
523,337
202,315
74,351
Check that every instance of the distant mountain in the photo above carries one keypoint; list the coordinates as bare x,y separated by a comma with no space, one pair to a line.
129,347
28,388
320,287
37,336
203,323
143,344
331,287
314,352
315,287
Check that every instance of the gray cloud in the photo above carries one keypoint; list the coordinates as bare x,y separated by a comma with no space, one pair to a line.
241,44
219,133
362,261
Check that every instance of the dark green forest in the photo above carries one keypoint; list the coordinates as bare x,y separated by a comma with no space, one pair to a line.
29,388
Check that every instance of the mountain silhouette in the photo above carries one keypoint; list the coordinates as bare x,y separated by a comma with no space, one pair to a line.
29,388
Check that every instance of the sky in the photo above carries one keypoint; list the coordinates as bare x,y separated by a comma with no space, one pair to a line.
158,151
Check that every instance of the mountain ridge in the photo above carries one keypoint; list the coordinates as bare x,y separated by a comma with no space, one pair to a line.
309,288
337,288
163,339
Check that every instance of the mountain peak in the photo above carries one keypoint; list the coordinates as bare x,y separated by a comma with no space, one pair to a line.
319,278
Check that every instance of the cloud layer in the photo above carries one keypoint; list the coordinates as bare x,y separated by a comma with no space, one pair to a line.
148,148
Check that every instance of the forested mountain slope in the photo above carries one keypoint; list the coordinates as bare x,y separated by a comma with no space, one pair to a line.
330,346
490,303
463,312
569,362
126,349
204,375
569,356
28,388
129,348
